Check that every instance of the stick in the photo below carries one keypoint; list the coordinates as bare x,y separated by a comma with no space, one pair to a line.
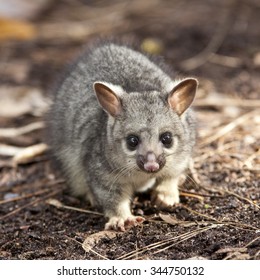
58,204
14,132
224,60
8,150
29,153
243,198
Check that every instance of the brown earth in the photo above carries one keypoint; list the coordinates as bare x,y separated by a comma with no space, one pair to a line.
218,217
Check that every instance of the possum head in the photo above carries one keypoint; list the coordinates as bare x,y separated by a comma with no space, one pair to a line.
146,131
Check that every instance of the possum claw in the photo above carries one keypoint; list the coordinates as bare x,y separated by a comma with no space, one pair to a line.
121,224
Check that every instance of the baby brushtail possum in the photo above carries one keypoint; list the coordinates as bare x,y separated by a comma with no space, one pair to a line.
119,123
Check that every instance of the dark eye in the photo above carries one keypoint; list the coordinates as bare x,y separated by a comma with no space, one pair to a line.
132,142
166,139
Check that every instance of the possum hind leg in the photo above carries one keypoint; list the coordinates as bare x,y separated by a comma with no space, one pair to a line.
76,175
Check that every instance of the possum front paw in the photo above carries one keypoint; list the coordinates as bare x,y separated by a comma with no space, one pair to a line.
165,199
166,194
121,224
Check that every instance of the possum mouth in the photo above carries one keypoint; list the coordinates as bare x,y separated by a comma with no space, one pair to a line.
150,163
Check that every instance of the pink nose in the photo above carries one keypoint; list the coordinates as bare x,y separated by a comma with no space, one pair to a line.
151,164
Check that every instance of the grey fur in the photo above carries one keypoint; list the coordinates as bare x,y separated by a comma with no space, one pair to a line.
90,145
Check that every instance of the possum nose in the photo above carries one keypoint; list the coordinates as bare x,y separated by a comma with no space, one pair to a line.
151,164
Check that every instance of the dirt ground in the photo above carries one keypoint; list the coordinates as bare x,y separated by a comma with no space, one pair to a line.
218,217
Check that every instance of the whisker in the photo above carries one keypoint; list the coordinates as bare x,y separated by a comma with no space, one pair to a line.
121,172
190,179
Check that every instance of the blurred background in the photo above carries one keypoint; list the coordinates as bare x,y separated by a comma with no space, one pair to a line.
38,37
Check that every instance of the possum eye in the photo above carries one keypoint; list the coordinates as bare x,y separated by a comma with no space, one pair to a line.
132,142
166,139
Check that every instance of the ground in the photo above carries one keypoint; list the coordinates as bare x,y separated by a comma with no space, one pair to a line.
218,215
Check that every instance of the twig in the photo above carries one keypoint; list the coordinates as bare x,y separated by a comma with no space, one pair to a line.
219,150
257,254
231,168
29,204
193,195
158,244
229,223
32,186
29,153
23,155
188,237
251,242
200,214
8,150
229,127
242,249
227,61
6,163
58,204
14,132
202,195
39,185
242,198
23,197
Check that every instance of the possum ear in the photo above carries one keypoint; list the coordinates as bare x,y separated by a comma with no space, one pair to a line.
108,99
182,95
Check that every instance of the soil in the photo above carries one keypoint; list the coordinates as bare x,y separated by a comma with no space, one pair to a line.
218,216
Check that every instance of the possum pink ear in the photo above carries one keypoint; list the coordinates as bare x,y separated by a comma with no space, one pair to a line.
182,95
107,99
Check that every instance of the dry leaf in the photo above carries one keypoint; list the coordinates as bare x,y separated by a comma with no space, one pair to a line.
173,221
231,250
17,101
169,219
94,238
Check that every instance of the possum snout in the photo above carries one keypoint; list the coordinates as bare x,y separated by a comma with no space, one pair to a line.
150,162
